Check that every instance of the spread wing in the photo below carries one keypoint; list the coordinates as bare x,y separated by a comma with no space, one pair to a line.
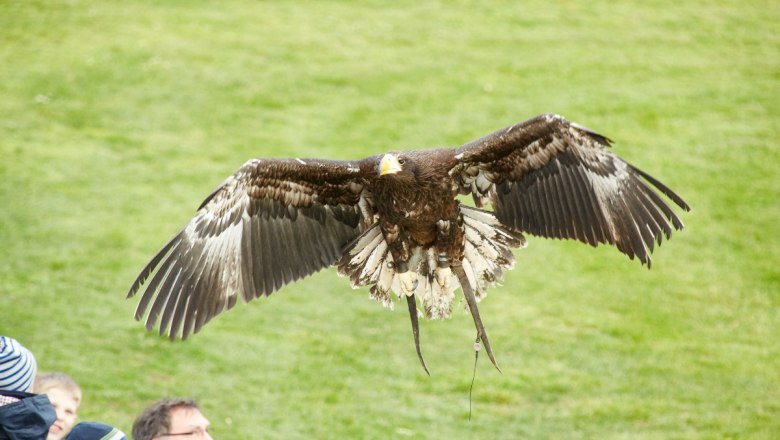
272,222
553,178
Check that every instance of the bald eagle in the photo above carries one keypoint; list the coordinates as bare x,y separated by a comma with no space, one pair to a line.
393,222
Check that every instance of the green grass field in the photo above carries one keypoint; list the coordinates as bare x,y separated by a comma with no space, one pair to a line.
118,118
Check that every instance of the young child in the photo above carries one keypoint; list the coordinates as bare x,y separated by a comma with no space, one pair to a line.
65,397
22,414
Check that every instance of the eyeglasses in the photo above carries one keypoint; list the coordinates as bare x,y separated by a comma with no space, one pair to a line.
197,433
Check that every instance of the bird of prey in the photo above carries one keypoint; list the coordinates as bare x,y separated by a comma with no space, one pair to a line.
393,222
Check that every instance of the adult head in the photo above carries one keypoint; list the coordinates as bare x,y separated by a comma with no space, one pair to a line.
171,419
65,397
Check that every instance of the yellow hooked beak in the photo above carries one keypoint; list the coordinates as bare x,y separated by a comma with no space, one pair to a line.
389,164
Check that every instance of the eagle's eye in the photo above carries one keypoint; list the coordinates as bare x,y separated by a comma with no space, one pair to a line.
401,161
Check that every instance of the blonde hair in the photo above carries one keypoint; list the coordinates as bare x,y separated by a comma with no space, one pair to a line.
47,381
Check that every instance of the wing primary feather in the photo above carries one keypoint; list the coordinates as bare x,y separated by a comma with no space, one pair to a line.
556,206
212,302
273,245
307,251
158,305
334,244
310,253
177,312
165,259
565,205
537,210
668,212
283,238
586,229
536,195
643,233
628,234
158,288
551,209
193,283
250,289
653,220
569,198
650,229
318,240
296,259
532,216
166,300
149,268
260,255
297,237
600,225
651,203
664,189
180,290
207,295
299,250
264,273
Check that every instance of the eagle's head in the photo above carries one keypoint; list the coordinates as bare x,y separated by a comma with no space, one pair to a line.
397,165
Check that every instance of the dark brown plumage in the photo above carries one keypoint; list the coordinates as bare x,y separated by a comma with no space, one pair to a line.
392,222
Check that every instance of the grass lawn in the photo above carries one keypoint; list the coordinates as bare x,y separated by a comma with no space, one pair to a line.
118,118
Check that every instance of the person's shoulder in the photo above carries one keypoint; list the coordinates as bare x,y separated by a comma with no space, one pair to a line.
95,431
31,414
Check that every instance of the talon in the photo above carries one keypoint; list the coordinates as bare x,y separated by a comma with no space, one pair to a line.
443,226
408,282
443,277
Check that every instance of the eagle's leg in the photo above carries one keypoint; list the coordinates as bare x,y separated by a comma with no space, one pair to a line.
472,302
443,239
408,278
412,303
443,271
401,253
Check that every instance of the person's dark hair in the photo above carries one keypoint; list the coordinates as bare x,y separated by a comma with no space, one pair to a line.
156,418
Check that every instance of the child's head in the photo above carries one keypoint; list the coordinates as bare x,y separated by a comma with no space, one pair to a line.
65,397
17,366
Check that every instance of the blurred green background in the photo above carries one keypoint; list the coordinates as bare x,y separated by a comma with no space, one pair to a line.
118,118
